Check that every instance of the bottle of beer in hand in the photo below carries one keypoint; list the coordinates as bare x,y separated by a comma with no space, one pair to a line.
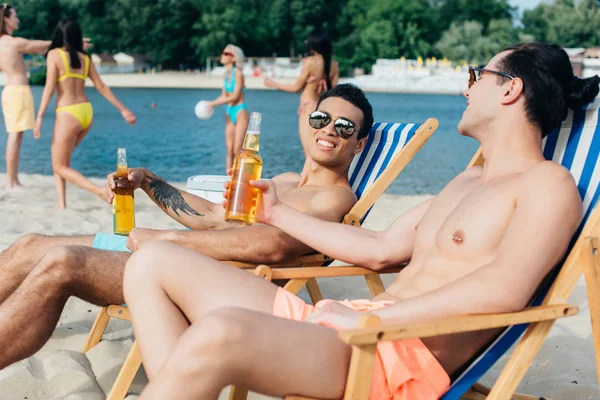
123,209
247,166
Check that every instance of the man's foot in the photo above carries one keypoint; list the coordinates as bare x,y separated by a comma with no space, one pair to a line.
15,187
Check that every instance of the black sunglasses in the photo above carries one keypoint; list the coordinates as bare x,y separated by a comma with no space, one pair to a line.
343,127
475,74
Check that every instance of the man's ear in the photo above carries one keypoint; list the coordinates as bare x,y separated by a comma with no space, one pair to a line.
512,91
360,145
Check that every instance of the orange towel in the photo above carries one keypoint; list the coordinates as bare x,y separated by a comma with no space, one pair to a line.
404,369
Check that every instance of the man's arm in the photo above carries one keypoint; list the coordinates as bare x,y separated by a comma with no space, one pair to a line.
360,246
256,243
252,244
26,46
191,211
546,216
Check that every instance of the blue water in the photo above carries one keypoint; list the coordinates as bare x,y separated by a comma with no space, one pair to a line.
171,142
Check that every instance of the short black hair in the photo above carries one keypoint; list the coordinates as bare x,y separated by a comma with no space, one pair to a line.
353,94
549,86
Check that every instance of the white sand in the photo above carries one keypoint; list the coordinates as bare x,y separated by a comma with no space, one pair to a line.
564,368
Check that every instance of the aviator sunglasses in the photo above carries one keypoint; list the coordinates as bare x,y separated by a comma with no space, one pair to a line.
475,74
343,127
227,53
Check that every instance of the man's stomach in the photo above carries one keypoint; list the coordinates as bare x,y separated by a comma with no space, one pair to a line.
16,78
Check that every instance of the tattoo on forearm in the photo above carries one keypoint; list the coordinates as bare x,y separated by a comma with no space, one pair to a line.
169,197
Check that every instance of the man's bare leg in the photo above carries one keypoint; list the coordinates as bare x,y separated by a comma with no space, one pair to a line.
167,283
28,316
19,259
13,149
260,352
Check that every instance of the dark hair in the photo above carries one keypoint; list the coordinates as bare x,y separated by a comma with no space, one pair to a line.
353,94
5,14
68,34
549,86
320,42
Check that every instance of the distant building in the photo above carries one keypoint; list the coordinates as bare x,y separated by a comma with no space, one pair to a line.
104,59
120,63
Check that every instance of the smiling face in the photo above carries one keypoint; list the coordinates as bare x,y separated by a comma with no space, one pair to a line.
324,145
484,99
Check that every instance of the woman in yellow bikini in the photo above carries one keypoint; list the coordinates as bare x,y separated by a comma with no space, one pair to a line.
318,73
68,67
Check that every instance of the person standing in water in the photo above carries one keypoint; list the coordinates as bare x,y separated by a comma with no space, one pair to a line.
68,68
236,117
318,74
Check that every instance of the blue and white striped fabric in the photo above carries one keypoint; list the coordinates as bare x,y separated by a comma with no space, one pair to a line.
575,145
385,140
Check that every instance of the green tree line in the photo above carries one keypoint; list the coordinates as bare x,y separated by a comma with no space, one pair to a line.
177,33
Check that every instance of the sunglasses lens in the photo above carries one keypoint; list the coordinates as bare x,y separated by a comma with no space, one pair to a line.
471,77
318,119
344,128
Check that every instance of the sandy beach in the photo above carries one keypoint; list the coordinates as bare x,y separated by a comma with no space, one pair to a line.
564,368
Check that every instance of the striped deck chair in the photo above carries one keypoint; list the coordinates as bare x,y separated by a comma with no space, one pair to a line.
389,148
576,145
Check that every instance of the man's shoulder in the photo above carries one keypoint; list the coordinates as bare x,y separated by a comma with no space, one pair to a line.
287,177
551,183
549,175
335,197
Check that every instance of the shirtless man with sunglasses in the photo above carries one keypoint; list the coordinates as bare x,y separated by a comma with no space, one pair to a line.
39,273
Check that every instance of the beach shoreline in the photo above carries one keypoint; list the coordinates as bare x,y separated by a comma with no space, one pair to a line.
563,369
370,84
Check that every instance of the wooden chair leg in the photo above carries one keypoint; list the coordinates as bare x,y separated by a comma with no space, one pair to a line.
313,290
238,393
519,362
375,284
126,374
361,364
591,269
97,329
294,285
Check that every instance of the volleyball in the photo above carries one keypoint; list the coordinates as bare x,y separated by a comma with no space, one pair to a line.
203,110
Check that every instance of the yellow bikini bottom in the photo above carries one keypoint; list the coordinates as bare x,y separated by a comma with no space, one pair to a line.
82,111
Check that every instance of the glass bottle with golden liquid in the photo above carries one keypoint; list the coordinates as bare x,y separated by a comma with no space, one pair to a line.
247,166
123,208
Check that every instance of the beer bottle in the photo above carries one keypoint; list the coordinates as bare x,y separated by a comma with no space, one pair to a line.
247,166
123,209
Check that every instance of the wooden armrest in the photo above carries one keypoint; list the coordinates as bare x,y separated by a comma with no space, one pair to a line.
308,260
328,272
466,323
120,312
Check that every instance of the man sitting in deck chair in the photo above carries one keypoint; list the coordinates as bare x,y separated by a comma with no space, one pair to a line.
39,273
482,245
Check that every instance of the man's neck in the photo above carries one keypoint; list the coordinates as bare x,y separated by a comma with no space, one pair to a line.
314,174
510,147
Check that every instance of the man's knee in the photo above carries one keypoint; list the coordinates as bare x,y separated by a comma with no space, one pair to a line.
217,334
145,264
26,242
57,265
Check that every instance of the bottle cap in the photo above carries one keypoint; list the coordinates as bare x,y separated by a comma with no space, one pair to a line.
254,124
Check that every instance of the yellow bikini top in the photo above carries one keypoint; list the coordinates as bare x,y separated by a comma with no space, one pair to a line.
68,73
